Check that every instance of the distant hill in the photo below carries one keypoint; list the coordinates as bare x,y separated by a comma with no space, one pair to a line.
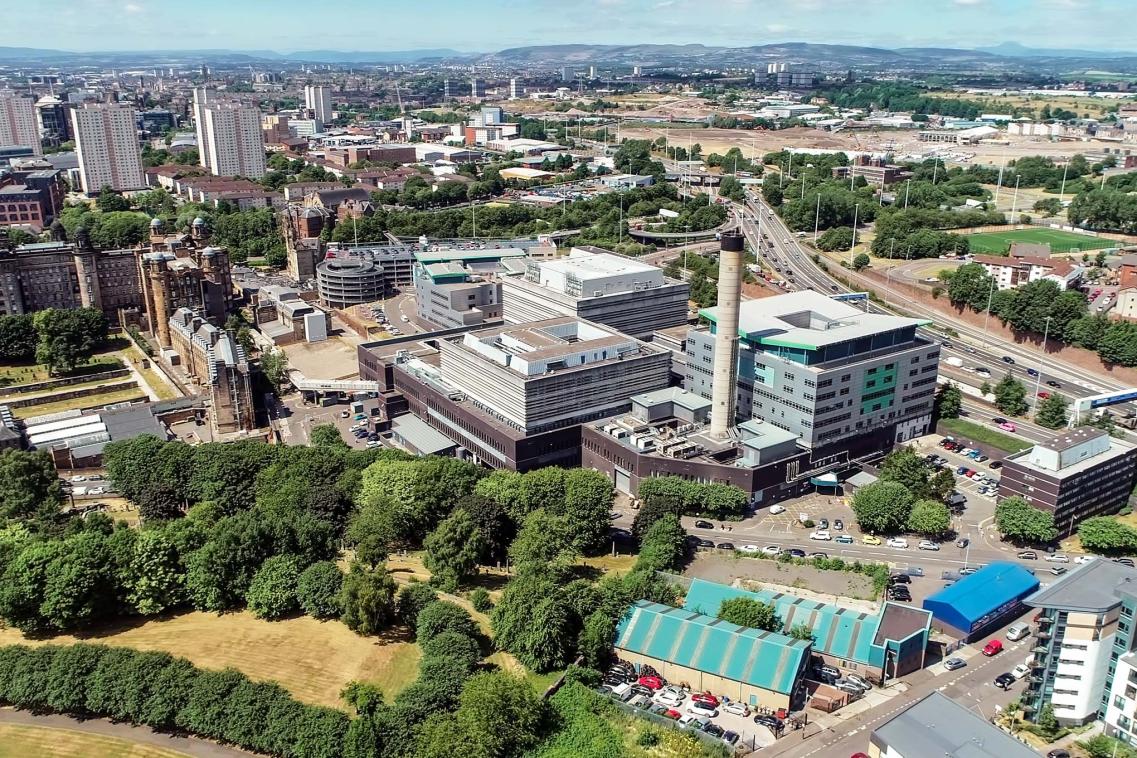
1015,50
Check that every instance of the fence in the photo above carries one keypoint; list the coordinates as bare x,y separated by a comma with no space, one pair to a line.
27,389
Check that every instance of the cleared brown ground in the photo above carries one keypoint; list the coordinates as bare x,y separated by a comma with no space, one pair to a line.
311,659
41,742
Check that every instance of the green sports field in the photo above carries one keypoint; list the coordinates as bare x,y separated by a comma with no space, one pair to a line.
1060,242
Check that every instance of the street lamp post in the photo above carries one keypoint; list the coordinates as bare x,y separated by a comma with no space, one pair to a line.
1015,201
856,210
1038,376
816,218
891,260
990,298
907,187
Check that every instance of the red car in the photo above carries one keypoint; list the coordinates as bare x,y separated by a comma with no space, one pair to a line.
672,714
706,697
651,682
994,647
1044,395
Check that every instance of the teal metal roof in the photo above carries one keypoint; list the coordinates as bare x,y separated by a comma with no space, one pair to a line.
841,632
708,644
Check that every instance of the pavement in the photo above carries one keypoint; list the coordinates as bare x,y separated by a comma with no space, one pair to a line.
295,418
193,746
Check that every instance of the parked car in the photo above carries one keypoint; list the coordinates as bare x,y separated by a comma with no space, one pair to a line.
869,539
794,552
1078,559
1016,632
1057,558
823,523
847,686
669,698
725,546
704,525
820,534
651,682
952,664
705,543
729,737
773,723
993,647
898,542
737,708
671,713
819,554
1058,570
966,570
776,509
1028,555
1004,681
827,670
714,730
900,579
928,545
750,549
705,697
771,550
640,701
1019,671
702,709
845,539
838,524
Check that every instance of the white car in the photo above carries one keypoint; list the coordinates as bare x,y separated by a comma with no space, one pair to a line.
670,698
898,542
1056,558
79,478
771,550
749,549
776,509
928,545
1079,559
736,708
1019,671
820,534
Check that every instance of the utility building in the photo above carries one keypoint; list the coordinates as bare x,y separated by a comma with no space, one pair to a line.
982,601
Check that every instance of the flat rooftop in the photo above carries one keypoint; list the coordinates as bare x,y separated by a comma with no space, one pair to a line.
549,346
1116,448
1092,587
444,255
939,726
809,320
596,264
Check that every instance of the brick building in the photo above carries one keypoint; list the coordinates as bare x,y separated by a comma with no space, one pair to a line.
215,360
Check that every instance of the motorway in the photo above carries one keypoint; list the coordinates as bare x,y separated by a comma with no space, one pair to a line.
975,347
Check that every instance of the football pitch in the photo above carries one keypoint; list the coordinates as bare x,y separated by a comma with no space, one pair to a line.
1060,242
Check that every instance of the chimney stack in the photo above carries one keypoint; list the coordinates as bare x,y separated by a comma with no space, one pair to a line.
724,390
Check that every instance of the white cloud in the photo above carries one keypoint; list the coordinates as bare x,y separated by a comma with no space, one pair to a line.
777,28
968,2
133,8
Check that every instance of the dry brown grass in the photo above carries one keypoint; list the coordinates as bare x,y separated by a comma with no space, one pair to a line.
311,659
47,742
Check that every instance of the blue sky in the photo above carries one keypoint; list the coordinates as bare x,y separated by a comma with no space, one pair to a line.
486,25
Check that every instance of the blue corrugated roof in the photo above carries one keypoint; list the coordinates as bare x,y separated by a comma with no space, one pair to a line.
837,631
976,595
705,643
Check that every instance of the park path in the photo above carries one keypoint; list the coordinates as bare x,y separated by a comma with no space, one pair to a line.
192,746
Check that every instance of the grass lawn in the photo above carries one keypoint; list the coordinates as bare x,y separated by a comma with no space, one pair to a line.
999,243
46,742
90,401
311,659
24,373
962,428
151,375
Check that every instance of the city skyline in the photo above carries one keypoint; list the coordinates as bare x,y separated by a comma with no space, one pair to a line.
286,25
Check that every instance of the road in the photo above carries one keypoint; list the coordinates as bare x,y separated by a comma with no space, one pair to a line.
976,347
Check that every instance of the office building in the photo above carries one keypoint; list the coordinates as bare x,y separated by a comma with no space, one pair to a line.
214,360
284,316
879,647
54,122
450,295
759,668
156,121
1084,626
843,381
596,285
477,88
936,725
1078,473
229,137
514,396
18,121
446,89
106,140
318,100
62,275
515,89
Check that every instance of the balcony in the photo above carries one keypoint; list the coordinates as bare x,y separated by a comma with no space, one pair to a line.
1043,634
1045,620
1039,649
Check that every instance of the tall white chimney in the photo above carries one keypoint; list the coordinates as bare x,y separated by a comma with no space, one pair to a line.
724,389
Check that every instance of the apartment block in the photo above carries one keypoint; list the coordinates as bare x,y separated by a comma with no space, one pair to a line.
846,382
1084,628
1077,474
599,286
106,140
1010,272
318,100
231,140
18,121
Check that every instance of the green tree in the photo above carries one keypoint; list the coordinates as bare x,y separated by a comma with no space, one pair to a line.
903,466
653,510
156,576
837,238
1010,396
274,365
367,600
17,338
28,482
664,546
452,550
544,540
882,507
949,401
440,617
109,201
1018,521
499,716
325,435
802,631
412,599
67,337
1052,412
860,261
272,592
929,518
318,590
1105,534
751,613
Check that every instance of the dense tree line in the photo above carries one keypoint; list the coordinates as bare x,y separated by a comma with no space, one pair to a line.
1106,209
916,232
683,496
59,339
1027,308
168,694
894,96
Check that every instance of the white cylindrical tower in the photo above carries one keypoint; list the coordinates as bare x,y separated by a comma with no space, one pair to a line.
724,389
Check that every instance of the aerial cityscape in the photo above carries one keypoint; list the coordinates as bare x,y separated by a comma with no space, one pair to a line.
646,378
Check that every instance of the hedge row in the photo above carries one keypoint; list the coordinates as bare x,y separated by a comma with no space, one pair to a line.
168,694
